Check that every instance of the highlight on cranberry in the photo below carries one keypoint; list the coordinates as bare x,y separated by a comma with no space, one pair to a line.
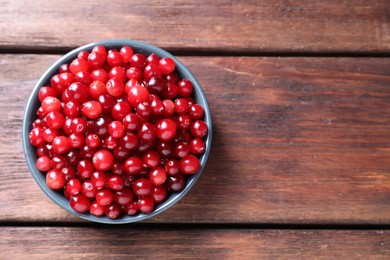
117,132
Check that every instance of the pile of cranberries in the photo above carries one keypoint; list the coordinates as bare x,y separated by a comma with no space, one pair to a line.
117,131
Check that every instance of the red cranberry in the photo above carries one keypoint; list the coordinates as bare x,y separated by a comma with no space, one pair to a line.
133,165
104,197
142,187
123,197
157,176
199,129
43,163
166,65
55,180
80,203
165,129
113,211
96,209
189,164
159,194
146,205
103,160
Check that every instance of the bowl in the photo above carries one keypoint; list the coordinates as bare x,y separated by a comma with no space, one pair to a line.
33,104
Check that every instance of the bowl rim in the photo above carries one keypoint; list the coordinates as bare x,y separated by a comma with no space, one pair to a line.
29,112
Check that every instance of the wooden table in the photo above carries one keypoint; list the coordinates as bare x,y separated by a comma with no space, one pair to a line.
300,96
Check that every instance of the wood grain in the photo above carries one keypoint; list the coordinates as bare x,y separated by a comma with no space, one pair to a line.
296,140
99,243
223,25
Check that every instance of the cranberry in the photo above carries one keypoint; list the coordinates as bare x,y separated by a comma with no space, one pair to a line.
100,75
101,127
138,60
184,122
130,141
73,186
172,167
57,162
68,173
199,129
115,87
115,183
103,160
159,194
189,164
166,65
61,144
55,120
146,132
83,77
165,148
118,73
156,85
116,129
72,109
76,140
151,159
100,49
78,65
104,197
169,108
170,91
96,60
85,169
142,187
92,141
36,137
185,88
78,125
83,55
197,146
172,77
152,70
114,58
196,112
50,104
131,122
43,163
176,183
107,102
96,209
165,129
144,110
120,110
45,92
133,165
113,211
146,204
126,52
181,106
88,189
137,94
80,203
91,109
181,150
55,180
96,89
157,176
134,73
123,197
131,209
98,179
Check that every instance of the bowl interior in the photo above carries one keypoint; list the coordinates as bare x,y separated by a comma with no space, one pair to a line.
33,105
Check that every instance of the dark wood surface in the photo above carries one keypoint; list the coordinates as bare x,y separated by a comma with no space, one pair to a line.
300,163
223,25
123,243
297,140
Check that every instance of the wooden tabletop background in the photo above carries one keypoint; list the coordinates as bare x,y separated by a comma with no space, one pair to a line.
300,97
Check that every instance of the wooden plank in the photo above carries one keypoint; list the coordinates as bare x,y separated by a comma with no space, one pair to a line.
103,243
223,25
296,140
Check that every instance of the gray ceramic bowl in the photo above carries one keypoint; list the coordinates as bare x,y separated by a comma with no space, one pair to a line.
33,104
